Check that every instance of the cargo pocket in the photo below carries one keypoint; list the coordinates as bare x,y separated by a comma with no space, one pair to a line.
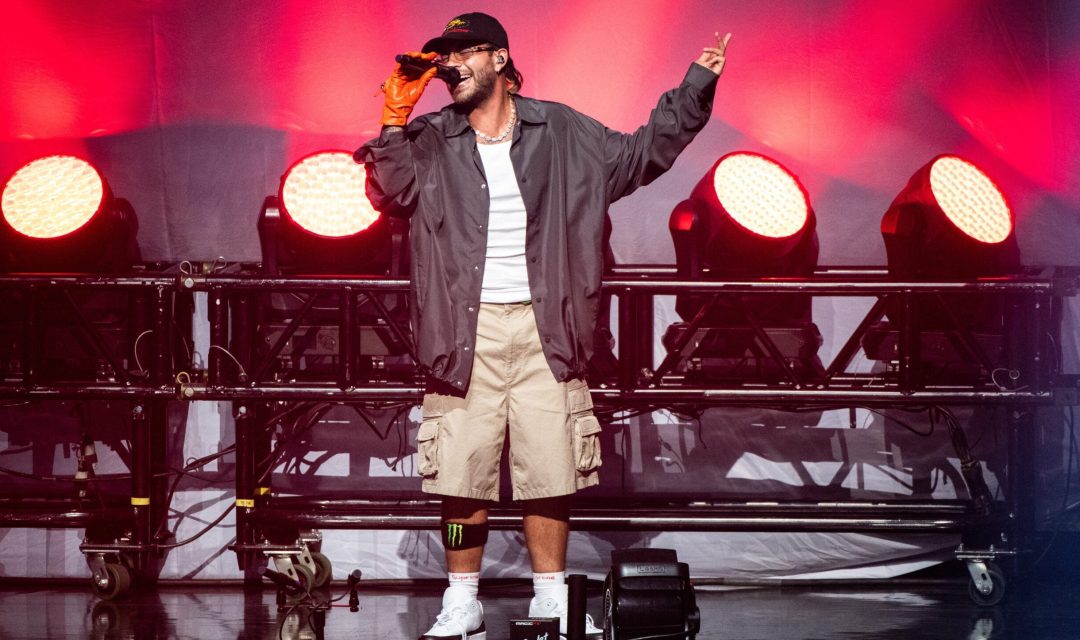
427,447
586,443
586,433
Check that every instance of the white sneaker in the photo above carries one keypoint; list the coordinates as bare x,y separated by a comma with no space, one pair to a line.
461,618
556,608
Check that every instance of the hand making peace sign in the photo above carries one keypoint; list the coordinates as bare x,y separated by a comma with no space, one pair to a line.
713,58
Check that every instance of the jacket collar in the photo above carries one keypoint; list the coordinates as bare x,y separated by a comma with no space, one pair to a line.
528,110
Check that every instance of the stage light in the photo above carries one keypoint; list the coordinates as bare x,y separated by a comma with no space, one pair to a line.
970,200
328,226
760,195
59,215
322,224
52,197
748,218
324,194
950,221
752,218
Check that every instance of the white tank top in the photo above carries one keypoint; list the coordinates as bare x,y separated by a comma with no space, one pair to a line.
506,278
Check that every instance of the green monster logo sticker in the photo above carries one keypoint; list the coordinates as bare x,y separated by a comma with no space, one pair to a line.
454,532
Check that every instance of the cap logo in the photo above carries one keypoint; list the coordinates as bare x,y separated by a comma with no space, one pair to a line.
456,23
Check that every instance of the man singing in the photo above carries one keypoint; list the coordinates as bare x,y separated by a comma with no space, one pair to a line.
508,196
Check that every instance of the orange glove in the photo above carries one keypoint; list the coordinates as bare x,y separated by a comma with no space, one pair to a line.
403,91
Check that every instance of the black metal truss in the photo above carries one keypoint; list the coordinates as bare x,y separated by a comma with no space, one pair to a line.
253,364
108,319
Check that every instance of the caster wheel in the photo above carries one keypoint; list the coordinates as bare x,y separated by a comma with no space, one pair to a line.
305,578
104,618
324,571
997,588
112,581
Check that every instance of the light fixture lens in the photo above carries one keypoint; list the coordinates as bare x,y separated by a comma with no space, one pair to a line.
760,195
324,194
970,200
52,197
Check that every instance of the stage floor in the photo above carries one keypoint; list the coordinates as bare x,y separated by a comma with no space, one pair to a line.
905,609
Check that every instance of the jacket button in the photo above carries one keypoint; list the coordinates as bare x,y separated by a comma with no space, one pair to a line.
483,186
547,339
471,309
532,259
538,299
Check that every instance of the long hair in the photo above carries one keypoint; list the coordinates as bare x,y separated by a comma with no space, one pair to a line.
513,76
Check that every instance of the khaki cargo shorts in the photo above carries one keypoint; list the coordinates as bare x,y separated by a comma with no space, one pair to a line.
554,436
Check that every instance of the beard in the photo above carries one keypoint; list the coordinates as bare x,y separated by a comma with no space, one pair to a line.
480,87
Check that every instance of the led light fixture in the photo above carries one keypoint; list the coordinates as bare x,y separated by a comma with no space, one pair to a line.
324,194
950,221
59,215
747,219
52,197
321,222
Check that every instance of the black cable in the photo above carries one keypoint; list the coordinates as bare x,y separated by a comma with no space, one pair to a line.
395,421
371,423
281,627
402,445
202,532
312,417
701,431
308,598
898,421
674,460
187,469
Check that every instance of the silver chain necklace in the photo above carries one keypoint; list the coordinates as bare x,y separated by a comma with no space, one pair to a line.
506,131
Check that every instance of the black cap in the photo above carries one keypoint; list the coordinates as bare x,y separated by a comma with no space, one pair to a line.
469,27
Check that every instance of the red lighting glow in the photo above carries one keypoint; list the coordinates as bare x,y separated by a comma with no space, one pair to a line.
52,197
970,200
761,195
324,194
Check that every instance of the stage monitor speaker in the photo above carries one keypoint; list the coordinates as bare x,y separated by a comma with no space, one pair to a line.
648,594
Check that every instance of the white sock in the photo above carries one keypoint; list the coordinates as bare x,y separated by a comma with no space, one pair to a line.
550,585
465,583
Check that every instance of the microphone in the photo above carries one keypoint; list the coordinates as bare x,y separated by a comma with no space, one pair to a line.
445,73
354,597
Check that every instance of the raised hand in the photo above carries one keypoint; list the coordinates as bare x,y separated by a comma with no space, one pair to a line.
713,58
403,90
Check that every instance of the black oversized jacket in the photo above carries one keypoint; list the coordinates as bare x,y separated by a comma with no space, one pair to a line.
569,169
